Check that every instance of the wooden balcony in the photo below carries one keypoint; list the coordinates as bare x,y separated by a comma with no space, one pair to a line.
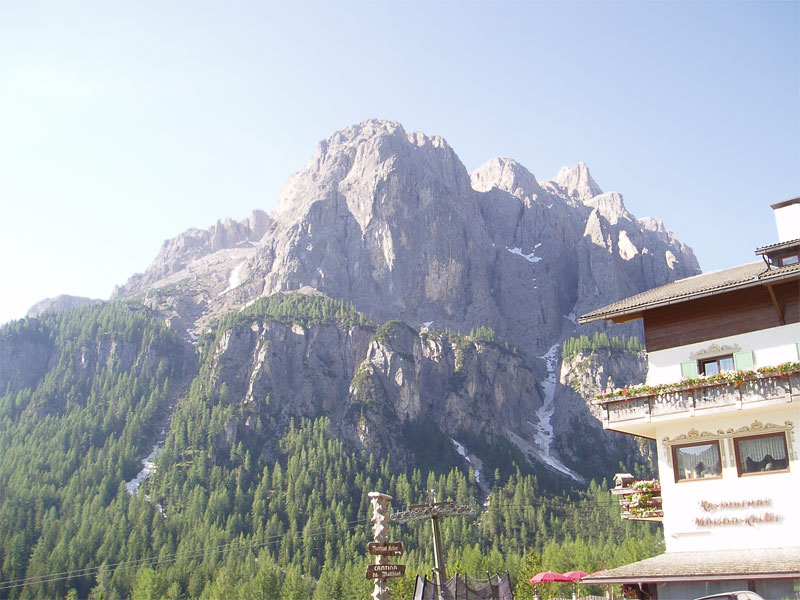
647,404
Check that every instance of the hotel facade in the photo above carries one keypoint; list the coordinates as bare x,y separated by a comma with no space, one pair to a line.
722,402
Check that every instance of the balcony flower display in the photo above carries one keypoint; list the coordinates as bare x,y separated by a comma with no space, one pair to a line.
733,378
645,500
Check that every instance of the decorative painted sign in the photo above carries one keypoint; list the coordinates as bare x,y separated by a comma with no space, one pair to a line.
385,548
385,571
752,519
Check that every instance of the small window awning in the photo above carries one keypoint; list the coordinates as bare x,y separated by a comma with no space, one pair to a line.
762,563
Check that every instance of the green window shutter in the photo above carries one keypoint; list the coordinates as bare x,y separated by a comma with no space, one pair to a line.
744,360
689,369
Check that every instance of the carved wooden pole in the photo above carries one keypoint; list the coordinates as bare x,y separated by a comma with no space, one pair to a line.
380,512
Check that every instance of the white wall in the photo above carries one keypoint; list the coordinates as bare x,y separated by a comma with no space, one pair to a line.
682,500
770,346
788,221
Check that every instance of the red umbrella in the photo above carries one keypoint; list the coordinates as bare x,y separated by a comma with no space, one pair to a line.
549,577
575,575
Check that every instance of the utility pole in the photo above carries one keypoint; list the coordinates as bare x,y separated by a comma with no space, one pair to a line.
434,511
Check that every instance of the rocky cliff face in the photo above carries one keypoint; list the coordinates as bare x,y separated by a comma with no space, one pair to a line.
372,384
590,373
25,356
582,377
392,222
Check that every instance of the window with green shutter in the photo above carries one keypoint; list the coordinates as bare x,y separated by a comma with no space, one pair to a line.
689,369
744,360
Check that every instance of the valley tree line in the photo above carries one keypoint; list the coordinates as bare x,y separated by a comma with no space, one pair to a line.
280,514
600,340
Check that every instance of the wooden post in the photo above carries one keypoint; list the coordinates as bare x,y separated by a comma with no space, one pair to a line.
380,509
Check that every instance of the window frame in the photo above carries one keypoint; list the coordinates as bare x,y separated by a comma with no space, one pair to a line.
701,364
674,451
739,467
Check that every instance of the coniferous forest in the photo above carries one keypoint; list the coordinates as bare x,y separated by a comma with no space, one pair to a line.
281,513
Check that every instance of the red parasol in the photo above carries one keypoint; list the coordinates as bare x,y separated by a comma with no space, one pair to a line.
549,577
575,575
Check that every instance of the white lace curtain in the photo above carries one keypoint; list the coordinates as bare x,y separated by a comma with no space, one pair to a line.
698,461
755,453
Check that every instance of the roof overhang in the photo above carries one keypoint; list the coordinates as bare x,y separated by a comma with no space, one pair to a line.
688,289
713,565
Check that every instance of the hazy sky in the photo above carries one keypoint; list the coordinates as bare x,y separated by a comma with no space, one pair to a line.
123,124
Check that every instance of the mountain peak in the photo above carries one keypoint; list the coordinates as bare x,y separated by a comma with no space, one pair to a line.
373,147
578,182
507,175
62,302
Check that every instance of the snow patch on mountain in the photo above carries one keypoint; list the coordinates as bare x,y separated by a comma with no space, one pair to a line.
235,279
544,428
531,258
463,452
671,259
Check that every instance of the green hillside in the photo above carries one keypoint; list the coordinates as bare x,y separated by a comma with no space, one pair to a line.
270,511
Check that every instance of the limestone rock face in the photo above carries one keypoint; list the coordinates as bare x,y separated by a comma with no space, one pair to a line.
24,359
620,255
183,255
392,222
577,182
582,377
603,369
386,220
62,302
373,384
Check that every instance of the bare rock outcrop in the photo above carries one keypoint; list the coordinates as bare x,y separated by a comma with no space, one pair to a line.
392,222
371,384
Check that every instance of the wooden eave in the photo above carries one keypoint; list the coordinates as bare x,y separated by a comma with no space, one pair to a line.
768,279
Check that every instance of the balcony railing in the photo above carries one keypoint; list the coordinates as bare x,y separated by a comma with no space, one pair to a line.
782,384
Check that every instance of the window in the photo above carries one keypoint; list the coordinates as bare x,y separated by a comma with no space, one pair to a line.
791,259
700,460
716,365
761,453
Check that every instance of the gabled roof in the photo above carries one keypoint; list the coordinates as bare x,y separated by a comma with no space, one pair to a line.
698,286
760,563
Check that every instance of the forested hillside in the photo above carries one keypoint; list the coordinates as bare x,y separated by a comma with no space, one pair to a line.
247,500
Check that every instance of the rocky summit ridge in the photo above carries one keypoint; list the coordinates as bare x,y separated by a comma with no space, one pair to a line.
393,223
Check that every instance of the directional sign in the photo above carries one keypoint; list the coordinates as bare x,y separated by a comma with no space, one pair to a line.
385,548
384,571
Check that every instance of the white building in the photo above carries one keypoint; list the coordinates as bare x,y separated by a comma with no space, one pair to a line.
722,402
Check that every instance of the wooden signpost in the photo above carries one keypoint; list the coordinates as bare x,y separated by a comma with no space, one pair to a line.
382,548
385,571
385,548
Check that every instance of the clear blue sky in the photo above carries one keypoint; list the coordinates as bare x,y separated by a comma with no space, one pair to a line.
123,124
